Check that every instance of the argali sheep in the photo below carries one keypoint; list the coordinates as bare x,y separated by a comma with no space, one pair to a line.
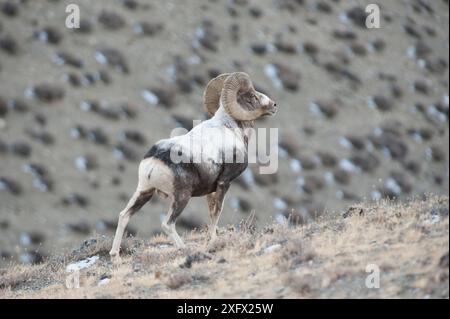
234,105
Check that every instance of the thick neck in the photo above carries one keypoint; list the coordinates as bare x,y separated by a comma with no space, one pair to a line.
228,120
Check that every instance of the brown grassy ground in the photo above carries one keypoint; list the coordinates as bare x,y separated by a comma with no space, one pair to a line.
327,259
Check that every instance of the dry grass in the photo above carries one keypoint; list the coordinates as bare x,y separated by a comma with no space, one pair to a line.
326,259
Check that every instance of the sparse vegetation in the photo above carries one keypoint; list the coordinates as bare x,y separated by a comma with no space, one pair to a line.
409,243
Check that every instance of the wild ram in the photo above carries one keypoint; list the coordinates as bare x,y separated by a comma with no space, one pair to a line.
170,170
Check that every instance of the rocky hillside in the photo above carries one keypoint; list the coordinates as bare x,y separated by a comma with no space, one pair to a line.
331,258
363,112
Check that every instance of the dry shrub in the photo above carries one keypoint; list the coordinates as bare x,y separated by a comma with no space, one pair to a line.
248,225
304,285
293,254
159,257
175,281
18,275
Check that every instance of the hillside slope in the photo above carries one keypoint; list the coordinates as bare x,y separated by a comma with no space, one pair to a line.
409,243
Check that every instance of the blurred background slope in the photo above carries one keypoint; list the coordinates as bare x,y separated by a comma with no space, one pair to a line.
363,112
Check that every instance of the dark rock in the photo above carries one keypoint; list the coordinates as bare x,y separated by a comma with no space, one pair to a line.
344,35
90,105
36,170
82,228
111,20
182,121
103,76
47,93
341,176
49,35
419,51
383,193
307,163
41,136
326,159
390,142
31,258
116,181
310,184
435,154
17,105
345,195
164,96
309,48
421,135
9,8
421,87
21,149
3,107
259,48
190,223
3,147
43,184
206,36
235,32
283,76
85,27
323,7
123,151
398,183
352,142
97,136
255,12
324,108
130,4
412,166
65,58
289,5
88,79
365,161
444,261
132,135
264,179
380,102
358,49
85,163
195,258
9,45
33,238
377,45
10,186
148,28
181,76
75,199
105,225
72,78
411,31
357,15
396,90
285,47
241,204
77,132
113,58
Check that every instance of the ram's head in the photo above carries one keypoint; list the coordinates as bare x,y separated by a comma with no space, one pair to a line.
235,92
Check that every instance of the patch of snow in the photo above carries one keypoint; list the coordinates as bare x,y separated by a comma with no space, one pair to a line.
88,262
103,282
272,248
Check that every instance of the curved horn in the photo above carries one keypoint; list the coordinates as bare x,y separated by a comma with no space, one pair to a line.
238,81
211,96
